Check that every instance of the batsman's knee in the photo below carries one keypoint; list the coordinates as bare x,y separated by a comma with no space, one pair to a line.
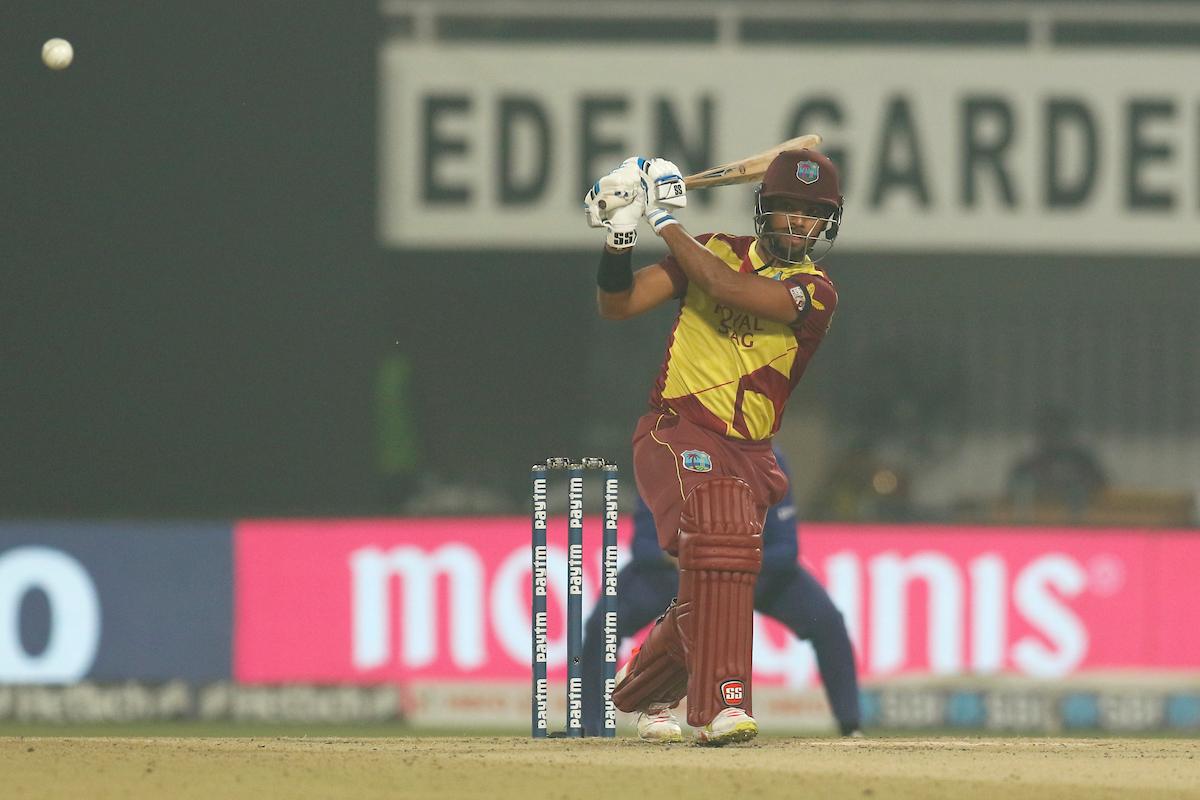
721,528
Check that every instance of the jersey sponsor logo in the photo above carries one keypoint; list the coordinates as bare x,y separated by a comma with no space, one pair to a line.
808,172
696,461
799,297
738,326
733,693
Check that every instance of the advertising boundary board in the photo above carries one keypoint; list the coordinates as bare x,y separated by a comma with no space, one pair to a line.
448,599
115,601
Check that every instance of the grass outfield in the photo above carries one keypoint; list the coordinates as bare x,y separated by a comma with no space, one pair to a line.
499,767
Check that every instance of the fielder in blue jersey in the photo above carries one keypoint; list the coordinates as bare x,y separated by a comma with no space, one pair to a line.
785,591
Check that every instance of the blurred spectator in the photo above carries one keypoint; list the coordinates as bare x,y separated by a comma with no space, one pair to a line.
905,418
863,487
1061,472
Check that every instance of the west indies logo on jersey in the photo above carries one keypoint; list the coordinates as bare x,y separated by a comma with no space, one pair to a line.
733,692
696,461
808,172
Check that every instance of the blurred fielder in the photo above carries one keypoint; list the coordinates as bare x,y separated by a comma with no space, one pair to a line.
752,311
784,591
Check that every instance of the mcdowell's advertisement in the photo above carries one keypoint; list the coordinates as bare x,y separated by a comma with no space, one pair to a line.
1028,150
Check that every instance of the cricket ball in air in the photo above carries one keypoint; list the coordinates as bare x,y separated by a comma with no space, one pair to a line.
57,53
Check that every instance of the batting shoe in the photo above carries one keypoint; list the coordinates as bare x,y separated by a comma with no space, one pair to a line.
658,724
730,725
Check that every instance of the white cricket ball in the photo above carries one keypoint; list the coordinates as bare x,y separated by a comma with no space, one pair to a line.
57,53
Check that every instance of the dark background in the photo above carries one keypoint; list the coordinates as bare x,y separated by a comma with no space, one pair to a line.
194,304
193,298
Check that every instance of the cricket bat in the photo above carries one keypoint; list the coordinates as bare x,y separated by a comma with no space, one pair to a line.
744,170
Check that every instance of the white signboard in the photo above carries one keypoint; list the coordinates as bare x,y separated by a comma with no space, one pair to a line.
1071,151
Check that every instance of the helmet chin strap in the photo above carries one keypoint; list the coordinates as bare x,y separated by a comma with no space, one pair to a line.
789,256
767,240
808,252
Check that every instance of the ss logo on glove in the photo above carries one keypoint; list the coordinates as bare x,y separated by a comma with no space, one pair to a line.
622,238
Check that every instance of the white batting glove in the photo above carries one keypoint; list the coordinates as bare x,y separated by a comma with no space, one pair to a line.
665,190
621,194
591,207
623,223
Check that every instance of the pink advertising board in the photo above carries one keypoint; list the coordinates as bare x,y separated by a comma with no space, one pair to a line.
367,601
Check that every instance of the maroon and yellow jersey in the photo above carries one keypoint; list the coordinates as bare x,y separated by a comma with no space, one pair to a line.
728,370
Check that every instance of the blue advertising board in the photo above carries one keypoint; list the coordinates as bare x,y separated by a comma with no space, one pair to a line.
114,601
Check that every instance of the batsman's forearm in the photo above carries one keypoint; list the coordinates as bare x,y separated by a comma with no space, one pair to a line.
613,305
700,265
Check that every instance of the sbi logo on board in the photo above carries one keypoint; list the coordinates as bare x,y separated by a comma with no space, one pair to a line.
74,631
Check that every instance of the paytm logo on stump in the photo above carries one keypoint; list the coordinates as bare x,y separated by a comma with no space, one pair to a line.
74,618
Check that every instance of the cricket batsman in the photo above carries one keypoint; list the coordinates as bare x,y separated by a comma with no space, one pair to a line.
752,312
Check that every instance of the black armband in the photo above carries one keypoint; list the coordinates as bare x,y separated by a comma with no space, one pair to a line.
616,270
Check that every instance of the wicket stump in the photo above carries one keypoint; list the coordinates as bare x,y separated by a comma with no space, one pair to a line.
541,584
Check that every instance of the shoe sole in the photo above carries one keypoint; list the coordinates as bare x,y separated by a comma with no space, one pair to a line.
742,732
673,739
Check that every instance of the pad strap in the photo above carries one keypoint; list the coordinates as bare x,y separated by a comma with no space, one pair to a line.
658,671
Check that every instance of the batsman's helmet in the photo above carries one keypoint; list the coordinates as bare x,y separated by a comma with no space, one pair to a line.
803,175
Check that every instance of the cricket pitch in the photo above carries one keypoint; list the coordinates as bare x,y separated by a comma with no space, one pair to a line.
513,767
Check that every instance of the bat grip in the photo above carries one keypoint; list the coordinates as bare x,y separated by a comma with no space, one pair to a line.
611,202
